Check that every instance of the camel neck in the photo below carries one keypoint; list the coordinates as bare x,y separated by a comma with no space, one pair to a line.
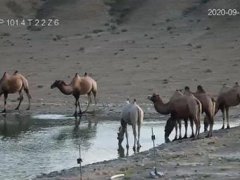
65,89
161,107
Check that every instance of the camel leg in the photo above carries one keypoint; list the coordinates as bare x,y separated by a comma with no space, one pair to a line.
224,115
227,117
5,102
79,107
138,141
206,120
211,129
89,101
196,130
209,117
186,126
180,129
94,95
126,134
95,99
135,137
29,98
76,105
197,125
176,130
20,99
90,98
191,124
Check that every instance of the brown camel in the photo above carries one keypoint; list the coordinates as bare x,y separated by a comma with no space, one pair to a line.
10,84
184,107
176,95
85,85
67,90
78,86
227,98
133,115
208,106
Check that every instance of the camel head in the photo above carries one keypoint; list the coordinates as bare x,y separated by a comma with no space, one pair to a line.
169,127
3,77
56,83
120,135
154,98
1,82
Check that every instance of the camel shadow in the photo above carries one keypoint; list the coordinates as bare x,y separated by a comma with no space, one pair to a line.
121,151
125,152
81,134
13,125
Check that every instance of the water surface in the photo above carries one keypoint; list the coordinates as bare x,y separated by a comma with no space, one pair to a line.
31,145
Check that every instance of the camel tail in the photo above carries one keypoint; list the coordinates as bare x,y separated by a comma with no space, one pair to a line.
214,108
199,109
26,86
140,116
94,86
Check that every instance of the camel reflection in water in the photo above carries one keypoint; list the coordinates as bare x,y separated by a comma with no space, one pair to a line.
121,151
11,125
82,132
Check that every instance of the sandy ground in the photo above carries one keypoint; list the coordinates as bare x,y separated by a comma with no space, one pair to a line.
159,46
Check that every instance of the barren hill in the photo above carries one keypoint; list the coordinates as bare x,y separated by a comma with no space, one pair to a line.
132,48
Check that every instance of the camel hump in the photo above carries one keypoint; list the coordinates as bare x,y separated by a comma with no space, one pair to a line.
200,89
176,95
236,84
77,75
15,72
187,88
187,91
224,88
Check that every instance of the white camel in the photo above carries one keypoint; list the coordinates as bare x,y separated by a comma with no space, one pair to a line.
132,114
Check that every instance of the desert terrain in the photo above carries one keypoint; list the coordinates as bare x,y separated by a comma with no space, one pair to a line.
133,49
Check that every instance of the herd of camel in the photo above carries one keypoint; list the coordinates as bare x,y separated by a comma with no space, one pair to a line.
183,105
17,83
